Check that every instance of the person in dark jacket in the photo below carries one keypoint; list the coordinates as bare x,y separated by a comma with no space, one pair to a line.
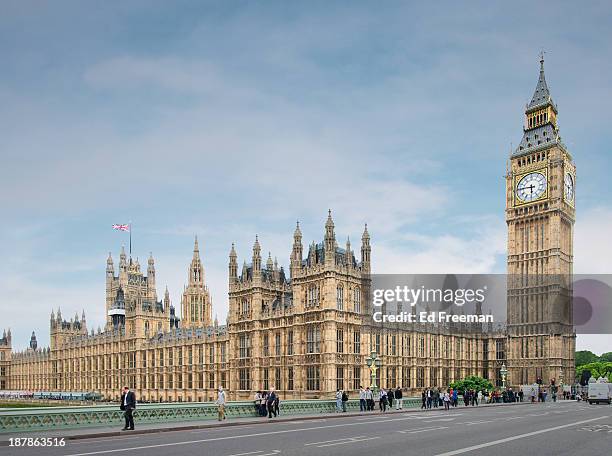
390,397
398,399
128,405
271,400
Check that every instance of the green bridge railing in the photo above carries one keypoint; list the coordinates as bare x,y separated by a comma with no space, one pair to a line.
49,418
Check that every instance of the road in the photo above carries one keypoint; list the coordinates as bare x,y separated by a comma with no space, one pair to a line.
563,428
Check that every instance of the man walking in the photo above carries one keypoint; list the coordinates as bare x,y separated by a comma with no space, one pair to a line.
221,404
338,400
362,399
271,401
369,399
399,402
128,405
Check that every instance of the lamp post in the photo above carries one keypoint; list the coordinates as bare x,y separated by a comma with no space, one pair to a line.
503,373
373,362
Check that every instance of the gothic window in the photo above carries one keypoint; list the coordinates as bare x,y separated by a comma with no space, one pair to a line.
340,378
340,297
340,340
266,345
420,380
277,344
500,349
290,342
357,299
244,346
356,377
290,378
313,340
356,342
312,378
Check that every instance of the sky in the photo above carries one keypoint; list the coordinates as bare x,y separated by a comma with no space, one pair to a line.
234,118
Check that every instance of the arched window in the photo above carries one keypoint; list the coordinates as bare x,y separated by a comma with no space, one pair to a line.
340,297
357,300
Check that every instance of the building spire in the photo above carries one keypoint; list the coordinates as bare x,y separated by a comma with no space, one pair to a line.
541,96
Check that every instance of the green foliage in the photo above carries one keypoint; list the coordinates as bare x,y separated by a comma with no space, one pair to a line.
598,369
585,357
606,357
472,383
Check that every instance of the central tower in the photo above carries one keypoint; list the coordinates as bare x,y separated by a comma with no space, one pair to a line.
540,214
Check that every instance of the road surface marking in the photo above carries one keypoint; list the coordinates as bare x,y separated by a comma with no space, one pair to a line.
241,436
509,439
329,441
254,452
416,431
438,420
352,440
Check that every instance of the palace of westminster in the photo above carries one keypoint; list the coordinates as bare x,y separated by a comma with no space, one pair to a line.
308,331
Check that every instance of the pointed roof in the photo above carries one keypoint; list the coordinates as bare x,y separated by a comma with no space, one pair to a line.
365,235
233,251
297,233
541,96
330,221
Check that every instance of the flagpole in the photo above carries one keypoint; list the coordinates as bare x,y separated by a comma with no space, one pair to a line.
130,226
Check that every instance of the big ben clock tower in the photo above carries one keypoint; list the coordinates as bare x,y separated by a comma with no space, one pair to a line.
540,214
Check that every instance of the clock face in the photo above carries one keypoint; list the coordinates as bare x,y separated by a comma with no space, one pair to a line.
531,187
568,187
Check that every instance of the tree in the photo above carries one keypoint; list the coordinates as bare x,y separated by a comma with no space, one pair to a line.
606,357
597,369
472,383
585,357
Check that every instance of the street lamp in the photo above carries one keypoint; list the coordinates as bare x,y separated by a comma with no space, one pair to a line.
373,364
503,373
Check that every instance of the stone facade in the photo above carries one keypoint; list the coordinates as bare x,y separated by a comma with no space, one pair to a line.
308,331
540,214
5,359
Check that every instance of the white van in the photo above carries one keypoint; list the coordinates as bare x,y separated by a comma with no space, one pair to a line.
600,393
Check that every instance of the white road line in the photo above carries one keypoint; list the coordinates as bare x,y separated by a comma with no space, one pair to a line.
328,441
241,436
353,440
416,431
244,454
509,439
438,420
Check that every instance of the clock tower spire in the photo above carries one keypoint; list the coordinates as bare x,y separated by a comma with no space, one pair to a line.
540,214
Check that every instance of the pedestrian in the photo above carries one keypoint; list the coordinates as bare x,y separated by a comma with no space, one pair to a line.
362,399
338,400
270,403
455,398
370,399
429,398
257,402
446,400
262,403
436,398
382,400
520,395
277,405
479,398
390,397
399,401
128,405
423,399
344,400
221,404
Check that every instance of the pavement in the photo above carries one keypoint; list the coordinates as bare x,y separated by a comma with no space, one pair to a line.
562,428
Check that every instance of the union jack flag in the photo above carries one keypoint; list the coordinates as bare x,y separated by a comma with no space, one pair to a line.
121,227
